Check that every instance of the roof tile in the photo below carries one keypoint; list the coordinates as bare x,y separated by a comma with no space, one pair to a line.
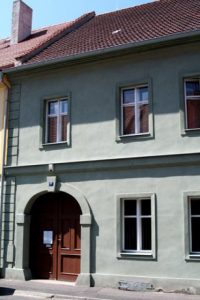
90,33
135,24
9,54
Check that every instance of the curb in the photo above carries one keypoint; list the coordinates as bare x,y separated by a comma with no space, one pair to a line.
67,297
43,295
33,294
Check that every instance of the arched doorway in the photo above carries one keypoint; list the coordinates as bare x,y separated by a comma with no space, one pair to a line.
55,237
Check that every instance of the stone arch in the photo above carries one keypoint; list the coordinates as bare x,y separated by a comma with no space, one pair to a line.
68,189
23,229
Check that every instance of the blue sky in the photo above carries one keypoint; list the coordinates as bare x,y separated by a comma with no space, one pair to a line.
49,12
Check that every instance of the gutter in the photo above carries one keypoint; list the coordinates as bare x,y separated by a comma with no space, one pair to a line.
173,39
6,83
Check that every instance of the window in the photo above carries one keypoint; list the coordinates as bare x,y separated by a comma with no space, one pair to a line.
137,225
57,120
194,224
192,103
135,110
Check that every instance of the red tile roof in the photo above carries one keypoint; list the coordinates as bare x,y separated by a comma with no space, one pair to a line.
39,39
140,23
90,33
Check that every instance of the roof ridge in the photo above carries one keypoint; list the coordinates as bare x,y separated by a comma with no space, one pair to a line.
72,25
50,26
67,22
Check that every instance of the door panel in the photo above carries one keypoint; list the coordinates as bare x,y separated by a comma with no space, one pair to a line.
42,262
59,213
66,234
68,255
77,236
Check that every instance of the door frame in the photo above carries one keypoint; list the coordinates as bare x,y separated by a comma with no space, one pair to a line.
60,258
22,232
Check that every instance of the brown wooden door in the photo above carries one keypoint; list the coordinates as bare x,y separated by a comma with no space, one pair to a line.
59,214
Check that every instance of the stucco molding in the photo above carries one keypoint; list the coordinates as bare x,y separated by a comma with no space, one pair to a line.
22,234
85,220
120,137
32,194
20,219
158,161
137,256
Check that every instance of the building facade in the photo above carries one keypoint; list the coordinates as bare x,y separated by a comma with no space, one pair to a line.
102,179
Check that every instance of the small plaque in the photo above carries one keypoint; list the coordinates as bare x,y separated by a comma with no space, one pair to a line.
47,237
51,183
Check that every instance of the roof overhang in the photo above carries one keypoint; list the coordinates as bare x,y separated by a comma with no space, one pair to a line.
161,42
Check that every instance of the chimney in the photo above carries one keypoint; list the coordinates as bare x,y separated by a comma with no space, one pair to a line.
21,21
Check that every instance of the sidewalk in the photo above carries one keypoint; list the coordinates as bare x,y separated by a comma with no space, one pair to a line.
48,289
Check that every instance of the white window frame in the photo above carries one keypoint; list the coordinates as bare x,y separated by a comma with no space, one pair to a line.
135,104
138,218
143,254
58,115
189,98
190,225
189,256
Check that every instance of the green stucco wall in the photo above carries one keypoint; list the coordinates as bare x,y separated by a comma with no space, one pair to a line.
93,90
101,166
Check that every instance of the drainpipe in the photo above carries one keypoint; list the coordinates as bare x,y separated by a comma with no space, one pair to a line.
5,82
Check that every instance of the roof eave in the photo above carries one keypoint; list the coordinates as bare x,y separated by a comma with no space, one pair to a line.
68,29
147,44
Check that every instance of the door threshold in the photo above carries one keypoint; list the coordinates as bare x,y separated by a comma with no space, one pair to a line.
52,281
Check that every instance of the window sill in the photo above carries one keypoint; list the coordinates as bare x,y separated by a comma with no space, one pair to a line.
191,132
52,145
139,136
135,255
193,257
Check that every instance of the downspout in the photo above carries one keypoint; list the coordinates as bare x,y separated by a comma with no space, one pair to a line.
6,84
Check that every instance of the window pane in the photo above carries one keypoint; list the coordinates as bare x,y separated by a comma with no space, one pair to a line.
146,207
53,108
195,235
52,129
129,207
192,88
195,206
143,94
64,121
144,119
130,239
63,106
193,113
129,120
128,96
146,234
